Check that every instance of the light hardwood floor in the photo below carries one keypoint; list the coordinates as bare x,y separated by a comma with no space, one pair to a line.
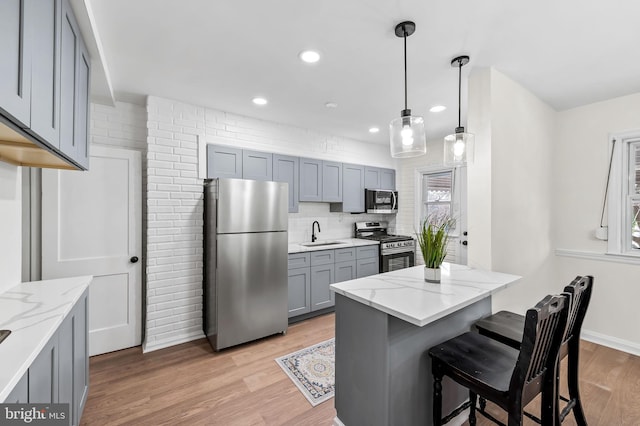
190,384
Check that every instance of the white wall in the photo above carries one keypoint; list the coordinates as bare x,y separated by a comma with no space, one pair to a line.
581,164
175,204
10,225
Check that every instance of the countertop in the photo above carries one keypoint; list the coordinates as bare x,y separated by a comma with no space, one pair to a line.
33,312
405,295
347,242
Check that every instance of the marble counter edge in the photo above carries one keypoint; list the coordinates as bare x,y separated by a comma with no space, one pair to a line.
7,386
348,243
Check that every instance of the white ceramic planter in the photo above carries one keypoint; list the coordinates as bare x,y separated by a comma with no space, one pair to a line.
432,275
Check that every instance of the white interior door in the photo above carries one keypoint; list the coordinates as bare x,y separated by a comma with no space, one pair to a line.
92,225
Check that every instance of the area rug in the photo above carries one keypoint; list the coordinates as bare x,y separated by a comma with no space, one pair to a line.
312,370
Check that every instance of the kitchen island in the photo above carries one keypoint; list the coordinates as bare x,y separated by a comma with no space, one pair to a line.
384,326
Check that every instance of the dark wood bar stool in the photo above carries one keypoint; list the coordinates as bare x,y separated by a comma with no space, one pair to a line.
506,327
501,374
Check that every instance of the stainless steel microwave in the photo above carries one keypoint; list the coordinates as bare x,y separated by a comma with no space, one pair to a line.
381,201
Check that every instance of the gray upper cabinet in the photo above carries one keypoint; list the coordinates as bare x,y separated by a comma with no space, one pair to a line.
331,182
81,133
224,162
286,169
45,63
353,188
15,61
377,178
387,179
257,165
68,71
310,179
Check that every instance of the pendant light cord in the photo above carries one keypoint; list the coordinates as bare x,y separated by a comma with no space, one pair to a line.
404,31
459,88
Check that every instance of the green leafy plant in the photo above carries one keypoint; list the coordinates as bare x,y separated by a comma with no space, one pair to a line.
433,238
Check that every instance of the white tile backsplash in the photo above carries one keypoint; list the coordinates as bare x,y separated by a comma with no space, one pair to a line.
332,225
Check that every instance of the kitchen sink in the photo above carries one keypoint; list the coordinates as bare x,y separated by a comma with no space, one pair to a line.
4,334
321,243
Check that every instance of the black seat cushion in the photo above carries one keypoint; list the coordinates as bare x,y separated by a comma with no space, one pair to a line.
504,326
478,359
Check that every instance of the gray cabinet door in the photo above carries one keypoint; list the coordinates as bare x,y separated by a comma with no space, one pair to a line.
366,267
257,165
69,44
299,260
321,278
20,393
299,291
286,169
345,271
43,374
45,63
387,179
310,179
367,251
65,363
82,106
372,178
15,60
224,162
353,188
80,357
331,182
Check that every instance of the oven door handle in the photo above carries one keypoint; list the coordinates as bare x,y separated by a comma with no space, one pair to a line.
395,201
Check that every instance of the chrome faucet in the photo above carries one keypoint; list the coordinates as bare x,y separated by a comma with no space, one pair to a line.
313,232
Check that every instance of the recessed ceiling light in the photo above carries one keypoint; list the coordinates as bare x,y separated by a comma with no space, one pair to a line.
438,108
310,56
374,130
259,101
331,105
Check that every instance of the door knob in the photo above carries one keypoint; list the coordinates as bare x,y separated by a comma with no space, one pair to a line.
464,243
134,259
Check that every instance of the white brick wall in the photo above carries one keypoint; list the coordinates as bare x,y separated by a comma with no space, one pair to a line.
124,125
174,224
174,218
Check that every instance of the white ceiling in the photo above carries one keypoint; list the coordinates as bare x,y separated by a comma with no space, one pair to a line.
222,53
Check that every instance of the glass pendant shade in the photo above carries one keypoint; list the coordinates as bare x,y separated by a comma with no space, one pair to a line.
458,148
407,137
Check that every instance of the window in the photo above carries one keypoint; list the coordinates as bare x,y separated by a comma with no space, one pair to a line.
624,195
438,188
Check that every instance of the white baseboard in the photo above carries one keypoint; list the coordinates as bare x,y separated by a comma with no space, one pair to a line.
611,342
161,344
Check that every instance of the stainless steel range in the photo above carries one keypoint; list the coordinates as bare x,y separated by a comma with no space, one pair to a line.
396,251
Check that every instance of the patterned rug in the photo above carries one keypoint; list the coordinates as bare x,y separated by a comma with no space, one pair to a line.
312,370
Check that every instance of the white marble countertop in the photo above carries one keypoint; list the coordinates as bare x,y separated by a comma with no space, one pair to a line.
33,312
405,295
346,243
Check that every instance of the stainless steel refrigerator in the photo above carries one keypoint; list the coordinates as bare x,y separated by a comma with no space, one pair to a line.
245,283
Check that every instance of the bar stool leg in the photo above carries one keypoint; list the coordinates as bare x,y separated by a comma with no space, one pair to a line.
437,395
473,398
574,392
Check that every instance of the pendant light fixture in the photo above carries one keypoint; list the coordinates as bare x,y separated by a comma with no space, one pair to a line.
407,132
458,147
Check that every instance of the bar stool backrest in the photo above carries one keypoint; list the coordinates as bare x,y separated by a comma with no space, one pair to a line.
580,291
543,332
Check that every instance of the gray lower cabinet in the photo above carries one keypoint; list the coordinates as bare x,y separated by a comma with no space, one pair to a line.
224,162
345,271
60,372
331,182
321,278
310,180
43,374
257,165
20,393
366,267
299,291
286,169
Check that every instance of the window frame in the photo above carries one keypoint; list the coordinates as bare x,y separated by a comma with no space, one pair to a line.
620,196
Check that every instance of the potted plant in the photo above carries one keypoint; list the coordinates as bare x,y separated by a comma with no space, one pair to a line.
433,238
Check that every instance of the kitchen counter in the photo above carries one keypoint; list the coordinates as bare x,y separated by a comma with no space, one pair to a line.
405,295
33,312
384,326
346,242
